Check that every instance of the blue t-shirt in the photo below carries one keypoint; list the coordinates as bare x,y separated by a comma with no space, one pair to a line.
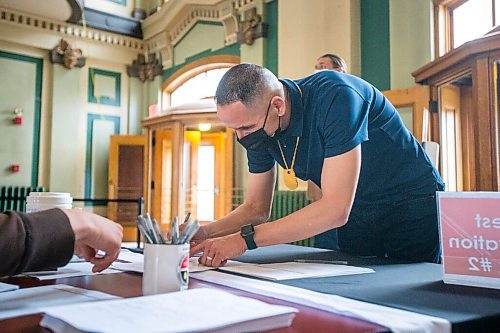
333,113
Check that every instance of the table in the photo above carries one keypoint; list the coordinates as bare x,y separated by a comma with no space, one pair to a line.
416,287
129,285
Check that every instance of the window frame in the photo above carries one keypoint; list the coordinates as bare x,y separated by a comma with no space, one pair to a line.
192,69
443,24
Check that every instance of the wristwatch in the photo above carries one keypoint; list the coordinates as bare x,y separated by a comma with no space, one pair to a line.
247,231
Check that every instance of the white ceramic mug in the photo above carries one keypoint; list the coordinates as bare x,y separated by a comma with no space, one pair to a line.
37,201
166,268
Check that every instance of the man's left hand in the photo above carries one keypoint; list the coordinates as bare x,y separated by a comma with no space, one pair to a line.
216,251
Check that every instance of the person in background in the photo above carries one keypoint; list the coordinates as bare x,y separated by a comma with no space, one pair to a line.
48,239
379,186
327,239
332,62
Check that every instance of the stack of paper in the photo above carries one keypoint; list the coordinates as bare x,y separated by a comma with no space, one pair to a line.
8,287
296,270
196,310
29,300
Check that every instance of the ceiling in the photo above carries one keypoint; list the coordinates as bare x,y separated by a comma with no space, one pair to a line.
60,10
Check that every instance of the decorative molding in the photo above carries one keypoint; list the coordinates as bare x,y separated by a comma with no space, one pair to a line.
162,36
113,23
91,118
30,21
252,27
145,69
120,2
37,108
77,10
66,55
98,99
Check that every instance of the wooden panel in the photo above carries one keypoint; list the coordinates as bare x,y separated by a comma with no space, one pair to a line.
126,179
418,99
468,156
482,127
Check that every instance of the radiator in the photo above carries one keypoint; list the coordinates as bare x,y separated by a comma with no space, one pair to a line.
287,202
14,197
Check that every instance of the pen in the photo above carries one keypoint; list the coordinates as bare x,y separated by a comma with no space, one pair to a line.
187,217
319,261
156,228
150,229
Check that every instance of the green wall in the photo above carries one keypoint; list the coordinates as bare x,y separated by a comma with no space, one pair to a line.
201,37
271,42
411,39
375,43
20,87
67,122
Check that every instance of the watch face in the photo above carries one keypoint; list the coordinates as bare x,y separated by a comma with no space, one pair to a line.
247,229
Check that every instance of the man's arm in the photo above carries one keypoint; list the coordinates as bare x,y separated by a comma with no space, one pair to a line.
339,180
255,210
37,241
47,239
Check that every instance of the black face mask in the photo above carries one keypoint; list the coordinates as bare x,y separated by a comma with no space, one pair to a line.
258,140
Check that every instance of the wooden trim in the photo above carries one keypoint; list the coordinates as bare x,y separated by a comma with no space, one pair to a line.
196,67
494,59
187,119
177,158
482,126
427,73
229,160
418,99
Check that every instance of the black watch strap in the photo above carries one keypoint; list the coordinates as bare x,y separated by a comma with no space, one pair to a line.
247,232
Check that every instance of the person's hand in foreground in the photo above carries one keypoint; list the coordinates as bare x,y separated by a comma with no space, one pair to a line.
94,233
216,251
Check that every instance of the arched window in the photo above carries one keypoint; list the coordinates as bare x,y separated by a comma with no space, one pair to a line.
196,81
198,87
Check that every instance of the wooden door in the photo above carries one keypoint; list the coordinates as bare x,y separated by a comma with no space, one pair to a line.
417,100
451,138
161,198
127,162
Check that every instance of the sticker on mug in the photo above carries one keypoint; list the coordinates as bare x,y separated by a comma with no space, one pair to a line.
184,271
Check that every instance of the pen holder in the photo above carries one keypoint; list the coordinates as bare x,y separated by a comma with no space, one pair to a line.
166,268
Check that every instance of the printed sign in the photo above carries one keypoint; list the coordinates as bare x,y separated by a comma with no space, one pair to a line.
470,237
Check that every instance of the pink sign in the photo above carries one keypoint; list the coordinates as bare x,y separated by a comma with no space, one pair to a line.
470,236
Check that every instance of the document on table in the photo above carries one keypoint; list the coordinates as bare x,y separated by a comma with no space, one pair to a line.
395,319
195,310
29,300
70,270
295,270
194,266
8,287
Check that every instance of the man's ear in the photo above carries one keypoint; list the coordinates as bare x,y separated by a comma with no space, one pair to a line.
278,104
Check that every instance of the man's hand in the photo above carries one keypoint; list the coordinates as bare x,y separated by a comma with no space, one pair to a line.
199,237
217,251
94,233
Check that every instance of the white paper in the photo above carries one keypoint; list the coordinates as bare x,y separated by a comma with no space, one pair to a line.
194,266
70,270
8,287
196,310
398,321
29,300
296,270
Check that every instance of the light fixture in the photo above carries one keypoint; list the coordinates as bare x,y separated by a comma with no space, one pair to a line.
204,127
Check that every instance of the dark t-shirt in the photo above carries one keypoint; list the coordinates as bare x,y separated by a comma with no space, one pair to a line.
333,113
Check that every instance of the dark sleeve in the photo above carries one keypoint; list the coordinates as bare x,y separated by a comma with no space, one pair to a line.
346,122
259,161
37,241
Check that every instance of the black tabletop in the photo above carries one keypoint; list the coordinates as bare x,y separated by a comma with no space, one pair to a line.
417,287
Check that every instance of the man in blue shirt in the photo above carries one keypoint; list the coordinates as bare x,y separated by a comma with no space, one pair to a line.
340,132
